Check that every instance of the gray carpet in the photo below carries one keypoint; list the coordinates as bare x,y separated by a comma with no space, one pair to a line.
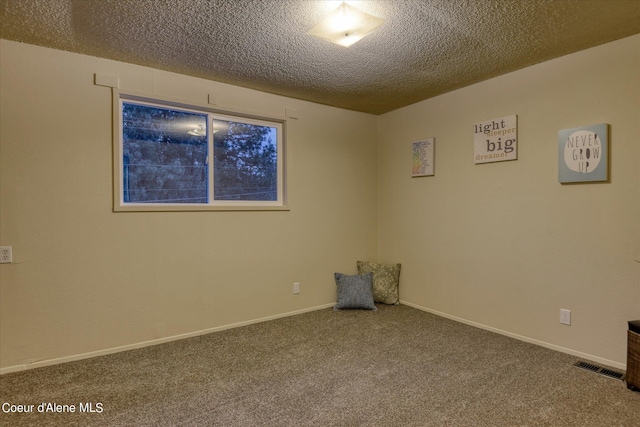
395,367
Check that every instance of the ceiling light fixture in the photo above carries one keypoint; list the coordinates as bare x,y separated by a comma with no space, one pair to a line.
346,25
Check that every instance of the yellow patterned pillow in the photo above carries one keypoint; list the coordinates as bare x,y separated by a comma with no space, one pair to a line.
386,278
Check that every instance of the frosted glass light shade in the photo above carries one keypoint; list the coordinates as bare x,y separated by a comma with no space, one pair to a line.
346,25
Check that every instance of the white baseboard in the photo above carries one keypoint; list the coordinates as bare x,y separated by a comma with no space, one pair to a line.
49,362
599,360
73,358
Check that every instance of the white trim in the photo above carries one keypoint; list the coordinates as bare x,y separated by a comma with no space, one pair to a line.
73,358
600,360
106,80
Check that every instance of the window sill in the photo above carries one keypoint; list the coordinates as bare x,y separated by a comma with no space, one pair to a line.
208,208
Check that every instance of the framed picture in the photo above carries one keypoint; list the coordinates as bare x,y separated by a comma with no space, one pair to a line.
422,157
583,154
496,140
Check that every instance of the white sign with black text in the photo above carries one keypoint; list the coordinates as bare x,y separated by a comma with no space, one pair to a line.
496,140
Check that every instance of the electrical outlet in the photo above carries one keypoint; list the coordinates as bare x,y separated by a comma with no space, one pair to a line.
565,316
296,288
6,255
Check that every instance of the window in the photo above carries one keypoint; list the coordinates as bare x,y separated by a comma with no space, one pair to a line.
176,157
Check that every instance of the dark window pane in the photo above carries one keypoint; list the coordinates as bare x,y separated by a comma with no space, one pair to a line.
164,155
245,161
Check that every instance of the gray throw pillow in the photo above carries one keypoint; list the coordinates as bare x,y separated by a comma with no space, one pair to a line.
355,291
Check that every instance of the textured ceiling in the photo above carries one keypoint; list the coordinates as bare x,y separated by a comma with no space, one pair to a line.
425,48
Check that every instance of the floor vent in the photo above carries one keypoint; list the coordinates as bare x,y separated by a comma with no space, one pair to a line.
600,370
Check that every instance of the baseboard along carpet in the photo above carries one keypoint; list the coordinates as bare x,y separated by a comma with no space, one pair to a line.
397,366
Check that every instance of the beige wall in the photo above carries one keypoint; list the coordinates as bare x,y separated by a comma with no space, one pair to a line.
504,245
87,280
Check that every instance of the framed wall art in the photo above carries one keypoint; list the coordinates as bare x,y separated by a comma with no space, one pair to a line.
422,157
583,154
496,140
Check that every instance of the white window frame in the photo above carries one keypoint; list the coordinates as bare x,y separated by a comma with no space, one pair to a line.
119,205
